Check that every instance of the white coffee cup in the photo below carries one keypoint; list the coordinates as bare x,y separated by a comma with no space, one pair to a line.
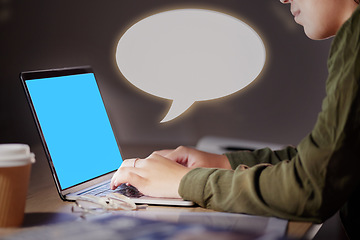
15,166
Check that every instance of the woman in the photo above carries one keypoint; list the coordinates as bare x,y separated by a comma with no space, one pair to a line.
310,182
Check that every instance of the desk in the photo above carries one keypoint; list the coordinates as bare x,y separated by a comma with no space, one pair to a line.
44,206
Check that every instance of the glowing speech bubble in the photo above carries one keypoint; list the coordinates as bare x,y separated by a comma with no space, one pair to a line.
190,55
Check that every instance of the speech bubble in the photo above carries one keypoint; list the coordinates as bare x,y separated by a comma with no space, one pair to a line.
190,55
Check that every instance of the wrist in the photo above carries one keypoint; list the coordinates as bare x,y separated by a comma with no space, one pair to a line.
225,162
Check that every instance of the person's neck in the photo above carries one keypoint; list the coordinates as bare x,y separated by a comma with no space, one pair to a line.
349,9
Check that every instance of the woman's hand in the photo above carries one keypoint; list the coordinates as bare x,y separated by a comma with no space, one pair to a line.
193,158
155,175
159,175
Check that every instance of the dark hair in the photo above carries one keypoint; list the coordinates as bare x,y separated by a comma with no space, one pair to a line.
357,1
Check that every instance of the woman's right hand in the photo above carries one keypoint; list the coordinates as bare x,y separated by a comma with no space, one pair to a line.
194,158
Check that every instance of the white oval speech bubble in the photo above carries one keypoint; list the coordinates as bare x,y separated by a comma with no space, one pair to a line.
190,55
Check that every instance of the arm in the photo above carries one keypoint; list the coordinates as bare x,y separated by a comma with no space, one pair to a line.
265,155
193,158
315,182
312,186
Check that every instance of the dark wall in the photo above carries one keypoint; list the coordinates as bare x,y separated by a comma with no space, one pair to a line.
281,106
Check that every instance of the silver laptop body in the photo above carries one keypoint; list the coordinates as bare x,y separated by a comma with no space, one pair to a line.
76,133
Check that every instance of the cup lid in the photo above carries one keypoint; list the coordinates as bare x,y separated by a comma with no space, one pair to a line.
15,154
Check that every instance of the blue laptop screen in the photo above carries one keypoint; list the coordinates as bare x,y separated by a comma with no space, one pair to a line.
75,126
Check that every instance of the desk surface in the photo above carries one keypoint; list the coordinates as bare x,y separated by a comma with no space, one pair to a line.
44,206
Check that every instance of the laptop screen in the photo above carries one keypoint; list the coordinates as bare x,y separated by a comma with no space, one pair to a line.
75,126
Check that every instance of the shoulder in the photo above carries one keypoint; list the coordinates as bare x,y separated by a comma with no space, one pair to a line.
348,35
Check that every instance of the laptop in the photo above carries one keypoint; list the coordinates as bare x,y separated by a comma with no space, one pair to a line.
76,133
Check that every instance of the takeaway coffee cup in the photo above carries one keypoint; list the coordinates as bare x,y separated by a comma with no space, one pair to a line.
15,165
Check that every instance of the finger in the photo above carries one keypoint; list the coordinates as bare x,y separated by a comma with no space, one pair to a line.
128,162
113,183
125,163
163,152
154,158
179,155
126,175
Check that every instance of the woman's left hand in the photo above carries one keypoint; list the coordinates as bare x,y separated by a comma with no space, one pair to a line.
154,176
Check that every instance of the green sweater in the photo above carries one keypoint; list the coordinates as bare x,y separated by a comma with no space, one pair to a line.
312,181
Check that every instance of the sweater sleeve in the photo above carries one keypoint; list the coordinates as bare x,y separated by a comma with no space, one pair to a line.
313,183
265,155
249,191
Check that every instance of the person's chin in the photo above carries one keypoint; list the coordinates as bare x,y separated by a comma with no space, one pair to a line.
311,36
318,31
316,35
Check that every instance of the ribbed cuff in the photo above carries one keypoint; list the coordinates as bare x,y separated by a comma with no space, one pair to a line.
193,184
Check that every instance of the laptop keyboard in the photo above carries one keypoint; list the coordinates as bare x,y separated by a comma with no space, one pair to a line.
103,190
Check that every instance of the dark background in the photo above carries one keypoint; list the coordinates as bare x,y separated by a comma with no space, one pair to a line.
280,107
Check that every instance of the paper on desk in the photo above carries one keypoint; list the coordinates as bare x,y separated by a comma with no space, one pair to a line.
114,226
228,221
